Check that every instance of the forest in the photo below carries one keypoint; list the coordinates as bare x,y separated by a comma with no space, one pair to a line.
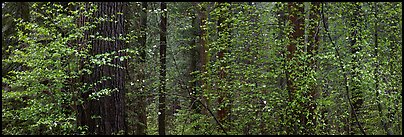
201,68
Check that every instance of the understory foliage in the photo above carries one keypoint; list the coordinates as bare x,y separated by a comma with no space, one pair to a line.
232,68
34,95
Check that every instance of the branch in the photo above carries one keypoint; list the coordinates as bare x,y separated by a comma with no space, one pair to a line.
189,95
343,70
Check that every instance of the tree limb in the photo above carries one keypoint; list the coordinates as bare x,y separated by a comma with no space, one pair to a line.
343,71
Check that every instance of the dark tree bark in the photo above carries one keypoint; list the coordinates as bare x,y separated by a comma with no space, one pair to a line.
141,101
23,10
106,115
163,46
196,107
82,107
296,38
203,55
313,29
221,28
297,17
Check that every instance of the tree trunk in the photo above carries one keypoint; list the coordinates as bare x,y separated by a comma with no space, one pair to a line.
196,107
297,17
106,115
282,19
141,101
203,55
163,46
23,10
313,28
223,110
296,38
297,34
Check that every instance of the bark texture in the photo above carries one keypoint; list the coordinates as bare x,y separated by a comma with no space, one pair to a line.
104,115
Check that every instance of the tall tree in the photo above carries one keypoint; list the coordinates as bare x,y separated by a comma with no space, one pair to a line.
297,21
313,32
162,91
105,115
298,48
141,101
194,58
222,26
203,52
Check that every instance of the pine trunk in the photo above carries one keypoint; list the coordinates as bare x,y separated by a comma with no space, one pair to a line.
105,115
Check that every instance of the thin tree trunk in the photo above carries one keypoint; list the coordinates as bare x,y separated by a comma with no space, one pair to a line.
314,15
193,62
141,101
163,46
283,79
296,37
203,55
222,111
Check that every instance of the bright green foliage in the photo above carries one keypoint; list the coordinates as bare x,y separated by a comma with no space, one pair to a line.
246,70
36,101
